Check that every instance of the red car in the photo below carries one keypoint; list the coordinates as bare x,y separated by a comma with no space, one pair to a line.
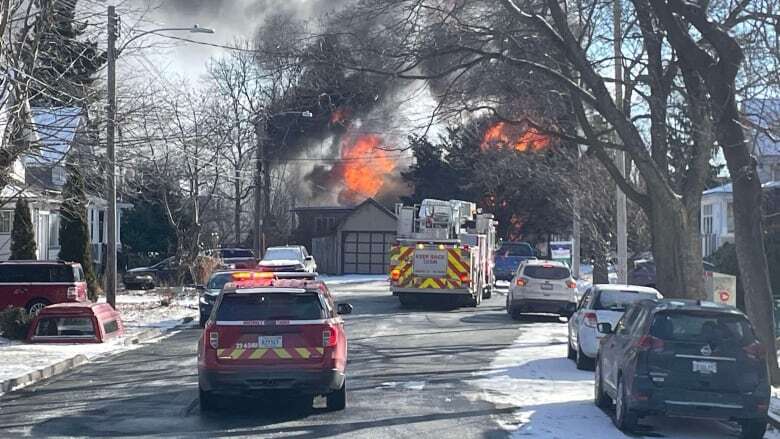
76,323
274,335
35,284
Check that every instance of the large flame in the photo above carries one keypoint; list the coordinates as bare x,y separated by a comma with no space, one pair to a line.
502,135
363,167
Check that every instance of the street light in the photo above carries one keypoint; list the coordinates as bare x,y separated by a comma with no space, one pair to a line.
113,53
263,177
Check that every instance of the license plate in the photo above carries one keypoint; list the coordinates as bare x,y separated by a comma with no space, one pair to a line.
705,367
547,286
273,341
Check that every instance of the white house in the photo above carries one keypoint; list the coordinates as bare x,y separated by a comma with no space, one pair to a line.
39,177
717,216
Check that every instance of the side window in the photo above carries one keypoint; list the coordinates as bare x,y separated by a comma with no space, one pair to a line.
640,323
585,301
627,322
111,326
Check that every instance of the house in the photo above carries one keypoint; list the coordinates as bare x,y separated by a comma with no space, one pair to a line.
40,175
717,215
349,240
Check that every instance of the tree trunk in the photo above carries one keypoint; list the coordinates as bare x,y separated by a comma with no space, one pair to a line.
749,239
677,250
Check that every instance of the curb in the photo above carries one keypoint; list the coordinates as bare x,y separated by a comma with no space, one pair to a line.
773,418
42,374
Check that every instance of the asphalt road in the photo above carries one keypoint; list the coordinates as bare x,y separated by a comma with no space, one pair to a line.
409,376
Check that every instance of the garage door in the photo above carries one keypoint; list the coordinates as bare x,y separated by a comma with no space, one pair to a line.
367,252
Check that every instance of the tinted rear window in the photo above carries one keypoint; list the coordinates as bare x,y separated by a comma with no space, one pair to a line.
236,253
271,306
37,273
702,328
548,273
619,300
65,327
218,281
515,250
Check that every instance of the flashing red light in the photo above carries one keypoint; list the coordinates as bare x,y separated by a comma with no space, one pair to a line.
252,275
571,284
395,274
464,278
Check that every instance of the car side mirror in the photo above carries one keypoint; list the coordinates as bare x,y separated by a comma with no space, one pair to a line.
309,258
605,328
344,308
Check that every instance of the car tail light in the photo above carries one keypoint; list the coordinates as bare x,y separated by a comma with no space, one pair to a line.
571,284
395,274
214,339
591,320
464,278
755,351
648,342
329,338
73,292
521,282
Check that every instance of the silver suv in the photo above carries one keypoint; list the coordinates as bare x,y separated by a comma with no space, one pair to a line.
542,287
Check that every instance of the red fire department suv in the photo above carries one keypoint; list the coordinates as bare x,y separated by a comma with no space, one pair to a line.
267,334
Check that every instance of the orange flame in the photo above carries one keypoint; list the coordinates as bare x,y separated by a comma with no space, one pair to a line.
339,116
364,167
501,135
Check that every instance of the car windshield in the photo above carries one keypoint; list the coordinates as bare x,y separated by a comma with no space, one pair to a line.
236,253
702,328
515,250
619,300
218,281
271,306
547,272
278,254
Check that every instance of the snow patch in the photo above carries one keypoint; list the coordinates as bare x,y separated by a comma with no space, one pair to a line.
555,400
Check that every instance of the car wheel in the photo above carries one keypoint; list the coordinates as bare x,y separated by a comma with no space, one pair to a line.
207,400
753,428
601,399
582,361
338,399
488,293
625,418
34,307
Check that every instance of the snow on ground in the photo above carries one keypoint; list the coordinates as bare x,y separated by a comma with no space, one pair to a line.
352,278
140,311
555,400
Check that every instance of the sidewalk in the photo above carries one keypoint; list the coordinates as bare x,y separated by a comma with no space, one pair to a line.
144,316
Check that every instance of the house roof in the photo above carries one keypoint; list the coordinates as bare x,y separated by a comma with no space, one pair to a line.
371,201
55,129
345,209
764,115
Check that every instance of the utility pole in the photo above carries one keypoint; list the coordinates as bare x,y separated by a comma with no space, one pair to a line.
620,156
110,269
261,123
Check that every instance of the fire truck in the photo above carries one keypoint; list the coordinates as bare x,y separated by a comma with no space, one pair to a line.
443,253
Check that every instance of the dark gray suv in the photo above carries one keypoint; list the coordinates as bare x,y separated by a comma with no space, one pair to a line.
683,359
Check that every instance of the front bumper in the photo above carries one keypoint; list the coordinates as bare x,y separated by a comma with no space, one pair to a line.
649,399
432,291
561,307
236,382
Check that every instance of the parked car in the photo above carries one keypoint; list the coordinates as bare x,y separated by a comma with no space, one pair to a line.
643,272
683,359
35,284
508,258
288,258
600,304
235,258
274,336
76,323
542,287
210,292
147,278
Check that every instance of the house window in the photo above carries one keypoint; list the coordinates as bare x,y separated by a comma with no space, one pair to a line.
706,219
54,230
6,221
730,217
